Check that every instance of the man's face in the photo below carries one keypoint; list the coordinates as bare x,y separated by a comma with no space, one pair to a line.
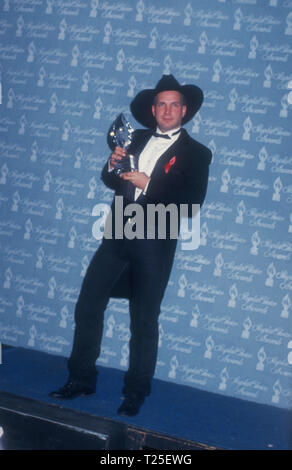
168,110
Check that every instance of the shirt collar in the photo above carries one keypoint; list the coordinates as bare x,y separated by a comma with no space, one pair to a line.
172,134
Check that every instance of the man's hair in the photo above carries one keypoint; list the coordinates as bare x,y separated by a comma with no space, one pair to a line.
183,100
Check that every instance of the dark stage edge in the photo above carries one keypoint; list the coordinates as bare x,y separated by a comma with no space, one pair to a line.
173,417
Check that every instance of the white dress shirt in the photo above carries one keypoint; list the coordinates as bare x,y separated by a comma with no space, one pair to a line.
153,150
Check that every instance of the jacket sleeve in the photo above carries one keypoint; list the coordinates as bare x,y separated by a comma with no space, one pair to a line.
110,179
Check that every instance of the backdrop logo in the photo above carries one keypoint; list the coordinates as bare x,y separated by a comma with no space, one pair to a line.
261,24
218,47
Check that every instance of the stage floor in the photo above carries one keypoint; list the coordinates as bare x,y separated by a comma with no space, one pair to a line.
172,417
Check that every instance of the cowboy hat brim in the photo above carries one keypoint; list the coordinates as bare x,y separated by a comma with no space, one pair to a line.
141,106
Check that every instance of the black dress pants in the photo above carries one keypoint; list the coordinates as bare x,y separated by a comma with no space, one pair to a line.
150,263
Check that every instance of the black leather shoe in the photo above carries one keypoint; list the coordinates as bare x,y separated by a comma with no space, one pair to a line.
71,390
131,405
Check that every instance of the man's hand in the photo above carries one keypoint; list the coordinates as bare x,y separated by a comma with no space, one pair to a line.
137,178
116,156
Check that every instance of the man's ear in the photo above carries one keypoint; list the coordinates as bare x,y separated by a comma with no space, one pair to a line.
184,110
153,110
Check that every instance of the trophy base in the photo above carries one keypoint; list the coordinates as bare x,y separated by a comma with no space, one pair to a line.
127,164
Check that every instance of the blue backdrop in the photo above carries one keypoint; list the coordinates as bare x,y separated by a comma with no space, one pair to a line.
68,68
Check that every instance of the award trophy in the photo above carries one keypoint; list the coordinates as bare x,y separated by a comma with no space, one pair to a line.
120,135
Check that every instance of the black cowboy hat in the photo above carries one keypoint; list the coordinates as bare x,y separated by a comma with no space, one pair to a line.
141,106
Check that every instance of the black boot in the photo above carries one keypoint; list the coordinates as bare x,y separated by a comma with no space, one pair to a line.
131,404
72,389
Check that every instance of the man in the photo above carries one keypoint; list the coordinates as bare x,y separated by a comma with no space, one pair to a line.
172,169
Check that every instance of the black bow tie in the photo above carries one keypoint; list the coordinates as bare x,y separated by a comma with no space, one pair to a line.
165,136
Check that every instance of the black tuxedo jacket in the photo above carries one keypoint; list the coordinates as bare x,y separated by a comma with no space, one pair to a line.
185,181
180,176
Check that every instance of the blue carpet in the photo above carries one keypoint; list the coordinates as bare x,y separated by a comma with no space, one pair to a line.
172,409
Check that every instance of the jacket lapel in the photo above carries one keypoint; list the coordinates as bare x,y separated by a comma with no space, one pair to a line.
135,149
176,148
137,146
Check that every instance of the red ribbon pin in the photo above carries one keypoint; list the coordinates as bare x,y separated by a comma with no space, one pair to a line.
169,164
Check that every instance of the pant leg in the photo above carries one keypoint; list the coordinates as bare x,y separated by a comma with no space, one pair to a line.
103,271
150,273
